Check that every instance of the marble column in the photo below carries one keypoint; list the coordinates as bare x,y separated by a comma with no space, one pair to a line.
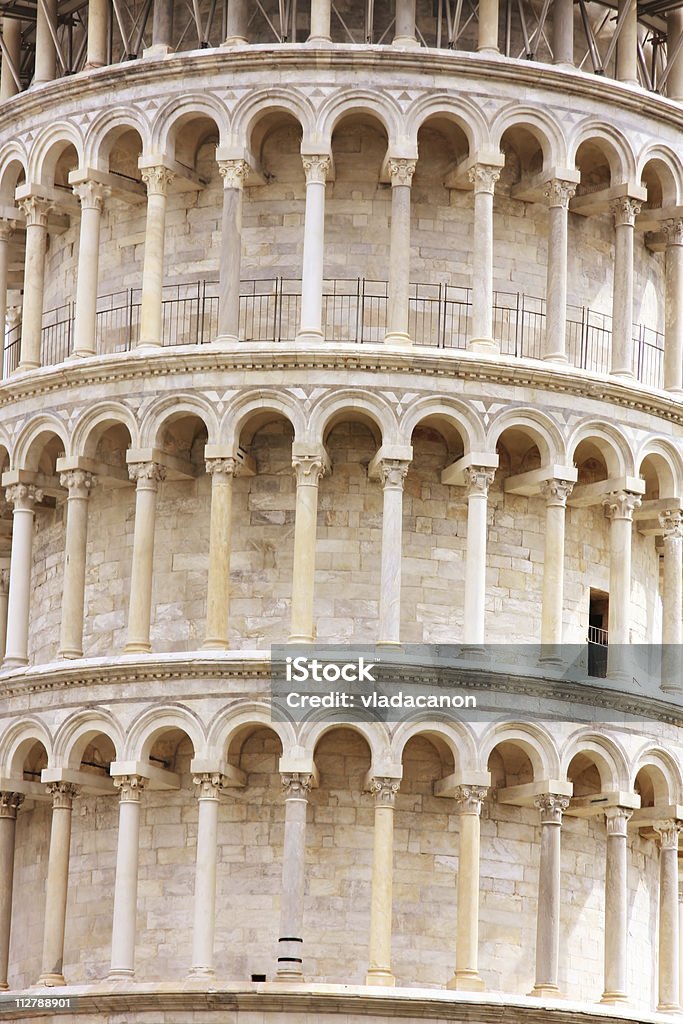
36,211
11,37
233,173
63,794
478,479
321,11
483,177
92,196
399,253
392,474
209,787
157,180
379,968
316,169
6,232
680,942
238,23
162,29
563,32
147,476
673,305
98,34
308,469
79,485
126,883
23,498
222,472
4,598
669,936
672,600
625,211
488,27
290,944
404,28
674,30
627,44
555,493
551,807
616,905
466,977
558,193
619,509
46,54
9,805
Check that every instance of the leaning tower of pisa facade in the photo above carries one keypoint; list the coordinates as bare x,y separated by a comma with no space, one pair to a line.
340,324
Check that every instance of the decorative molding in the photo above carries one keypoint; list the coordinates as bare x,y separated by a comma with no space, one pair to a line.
392,473
78,480
296,785
559,193
10,804
551,807
63,795
157,180
130,787
625,210
233,173
316,169
671,523
384,790
478,479
469,798
483,177
616,820
92,195
401,171
23,496
221,467
621,505
146,473
556,492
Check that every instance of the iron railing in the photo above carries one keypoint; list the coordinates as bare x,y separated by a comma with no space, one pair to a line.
354,311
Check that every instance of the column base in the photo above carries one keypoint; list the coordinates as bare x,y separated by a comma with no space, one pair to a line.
555,357
157,50
395,645
224,341
487,346
489,51
668,1008
614,998
289,975
466,981
69,654
10,662
671,688
51,980
380,976
77,354
4,987
121,974
146,348
398,338
309,334
546,992
137,647
215,645
629,374
25,365
235,41
92,65
300,638
319,41
407,41
200,973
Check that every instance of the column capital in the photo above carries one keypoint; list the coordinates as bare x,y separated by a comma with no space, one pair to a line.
671,522
621,504
392,473
478,479
221,467
556,492
36,210
209,785
92,195
316,168
6,229
616,820
558,192
309,468
79,481
10,804
157,179
668,832
63,794
147,475
23,496
384,790
625,210
551,807
130,787
483,177
233,172
296,785
401,170
673,231
469,798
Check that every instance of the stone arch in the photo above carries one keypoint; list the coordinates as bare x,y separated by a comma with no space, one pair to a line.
18,740
232,722
666,463
539,426
157,720
545,129
667,166
668,781
537,744
46,424
13,162
94,422
48,147
608,756
262,103
614,447
334,406
254,403
465,114
375,734
614,146
454,734
457,414
171,407
74,735
376,104
176,113
104,130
